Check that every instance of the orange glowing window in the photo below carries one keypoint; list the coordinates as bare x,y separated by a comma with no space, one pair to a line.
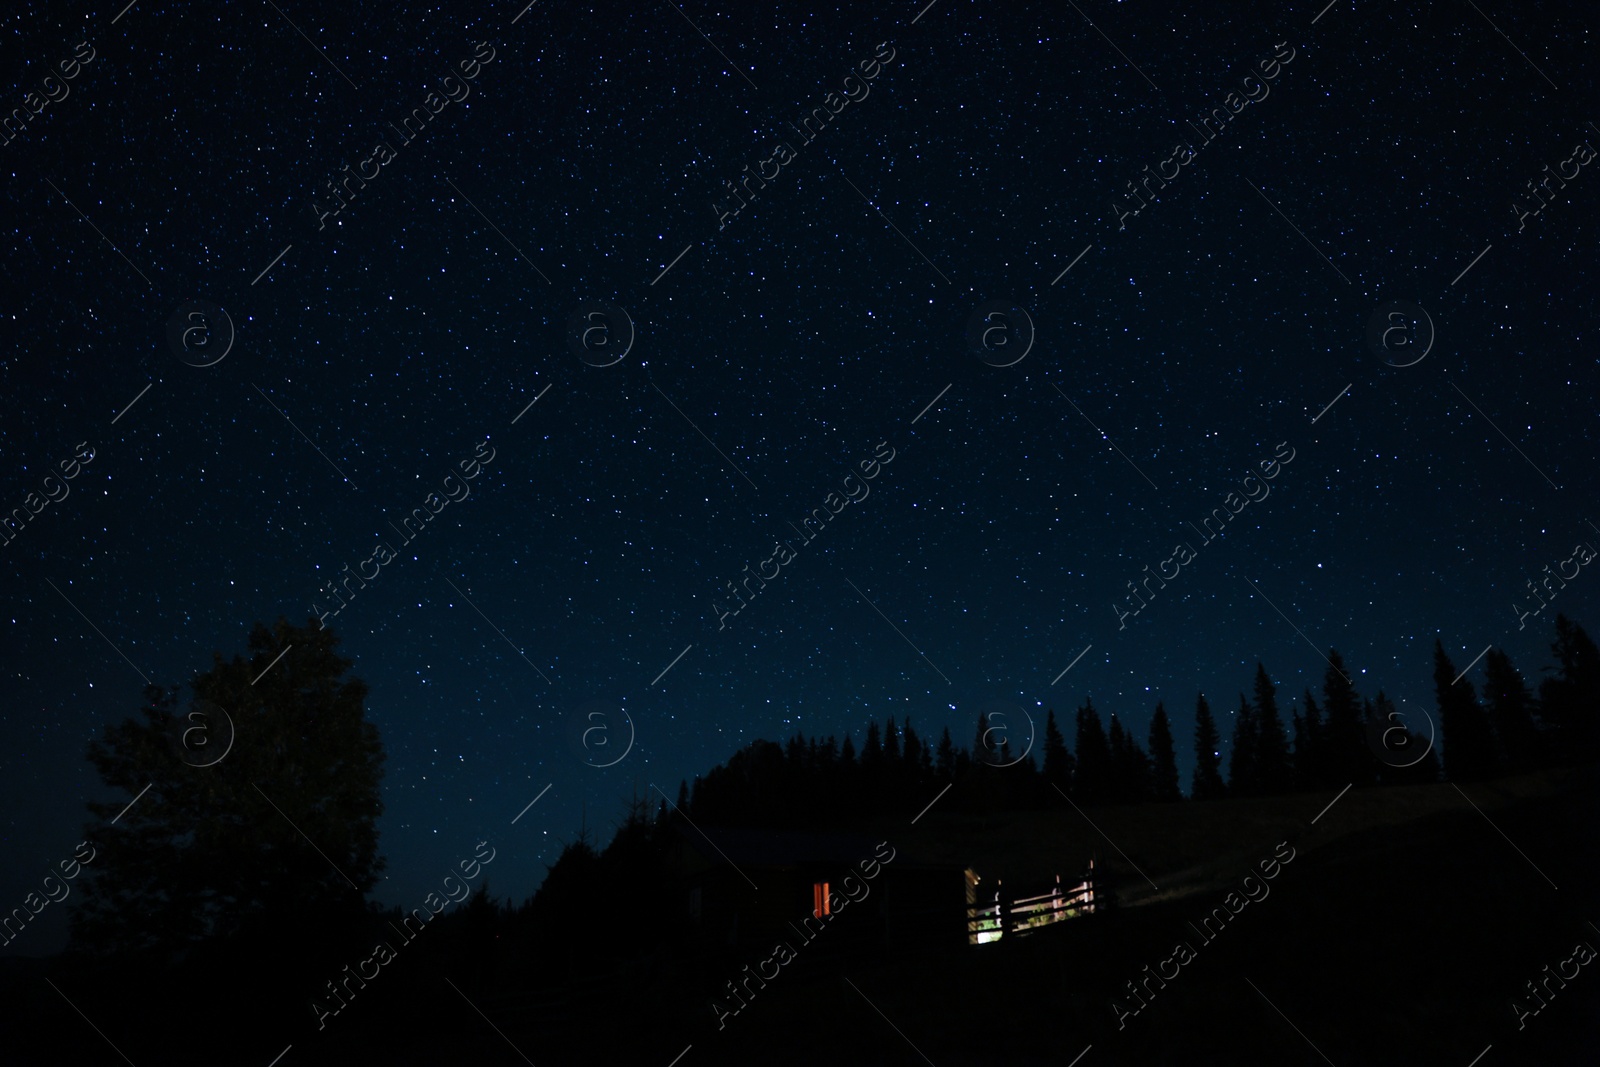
819,899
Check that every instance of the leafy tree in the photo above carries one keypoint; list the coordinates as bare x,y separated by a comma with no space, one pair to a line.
1273,770
1244,777
1208,784
217,850
1469,750
1163,762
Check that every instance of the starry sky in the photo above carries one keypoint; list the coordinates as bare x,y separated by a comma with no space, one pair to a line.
989,164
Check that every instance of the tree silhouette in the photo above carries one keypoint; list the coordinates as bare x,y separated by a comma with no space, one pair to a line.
1163,761
1469,750
1570,701
945,763
1208,784
1274,773
983,747
1094,755
1310,745
1345,755
1058,761
1510,711
1130,767
1425,769
227,848
1244,778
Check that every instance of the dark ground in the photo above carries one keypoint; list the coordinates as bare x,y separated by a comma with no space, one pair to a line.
1378,944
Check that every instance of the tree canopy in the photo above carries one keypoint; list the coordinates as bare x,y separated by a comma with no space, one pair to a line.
261,806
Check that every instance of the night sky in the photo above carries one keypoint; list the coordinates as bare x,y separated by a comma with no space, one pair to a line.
985,164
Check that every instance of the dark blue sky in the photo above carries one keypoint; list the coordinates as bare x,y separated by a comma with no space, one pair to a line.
772,357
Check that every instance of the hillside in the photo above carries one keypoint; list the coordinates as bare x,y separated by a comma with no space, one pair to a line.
1190,848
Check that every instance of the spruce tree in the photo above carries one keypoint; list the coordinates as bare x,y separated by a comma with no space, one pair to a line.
1570,702
1510,711
945,765
1309,745
911,751
1057,758
1274,774
1094,755
1421,761
1130,766
1469,751
1163,761
1208,784
1298,743
869,768
1346,757
983,747
1244,778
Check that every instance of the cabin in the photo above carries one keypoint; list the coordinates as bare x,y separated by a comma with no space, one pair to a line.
743,888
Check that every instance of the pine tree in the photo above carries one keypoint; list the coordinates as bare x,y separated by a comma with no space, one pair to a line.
912,752
1094,756
1058,760
1117,784
983,749
1346,757
891,744
1244,778
1299,740
1130,767
872,751
945,765
1208,784
1309,745
1468,742
1274,774
1163,761
1510,711
1570,702
1403,750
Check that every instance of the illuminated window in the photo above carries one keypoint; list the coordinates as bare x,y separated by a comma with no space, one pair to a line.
819,899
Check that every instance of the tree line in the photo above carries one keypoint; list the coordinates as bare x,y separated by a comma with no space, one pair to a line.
1327,741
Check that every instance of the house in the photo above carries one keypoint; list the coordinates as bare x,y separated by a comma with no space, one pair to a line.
747,888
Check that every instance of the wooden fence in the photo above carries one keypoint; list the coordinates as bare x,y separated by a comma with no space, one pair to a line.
1001,917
